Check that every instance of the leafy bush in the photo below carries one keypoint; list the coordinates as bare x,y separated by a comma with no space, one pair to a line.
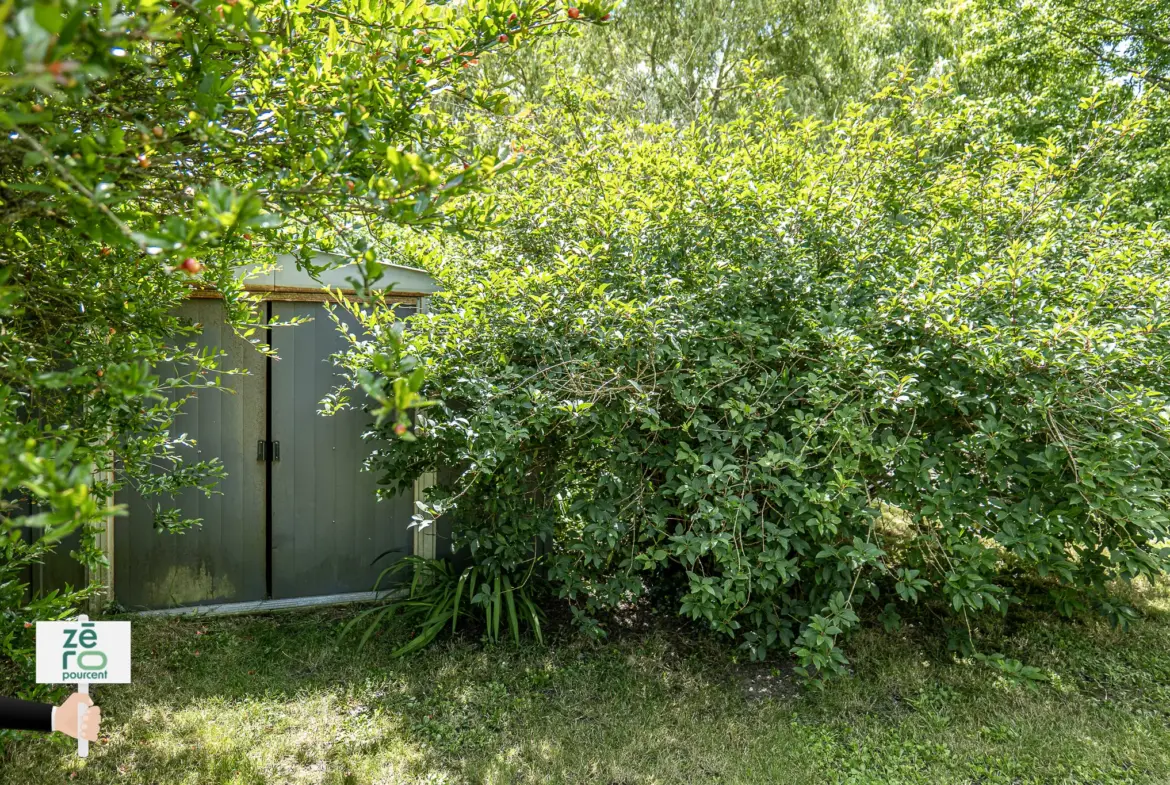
789,366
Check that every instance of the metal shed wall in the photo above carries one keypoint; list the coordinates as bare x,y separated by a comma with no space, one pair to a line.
306,525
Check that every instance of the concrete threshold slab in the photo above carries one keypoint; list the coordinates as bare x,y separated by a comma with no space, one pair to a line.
268,606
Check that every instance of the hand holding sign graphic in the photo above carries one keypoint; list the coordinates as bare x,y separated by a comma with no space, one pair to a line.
82,652
78,717
44,717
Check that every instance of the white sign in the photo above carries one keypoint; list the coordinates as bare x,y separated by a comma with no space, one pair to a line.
78,652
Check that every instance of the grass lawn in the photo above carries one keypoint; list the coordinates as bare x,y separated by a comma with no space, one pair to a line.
275,699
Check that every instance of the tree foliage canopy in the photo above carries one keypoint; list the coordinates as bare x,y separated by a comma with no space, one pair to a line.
151,147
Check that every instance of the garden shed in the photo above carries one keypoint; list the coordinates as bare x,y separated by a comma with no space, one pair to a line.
296,521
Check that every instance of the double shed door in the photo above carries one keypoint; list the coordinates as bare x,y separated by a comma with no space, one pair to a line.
296,515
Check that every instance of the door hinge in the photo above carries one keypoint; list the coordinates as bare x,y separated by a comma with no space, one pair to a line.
267,451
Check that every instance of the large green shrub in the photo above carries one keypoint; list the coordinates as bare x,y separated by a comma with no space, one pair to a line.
774,368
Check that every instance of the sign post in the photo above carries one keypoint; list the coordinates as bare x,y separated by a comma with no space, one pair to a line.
83,652
83,688
82,742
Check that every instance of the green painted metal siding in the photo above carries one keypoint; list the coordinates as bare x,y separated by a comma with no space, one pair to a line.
327,524
57,569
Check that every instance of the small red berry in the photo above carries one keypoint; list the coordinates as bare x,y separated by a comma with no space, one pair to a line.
467,65
605,17
400,428
158,131
419,61
247,236
426,50
512,18
143,160
503,39
106,250
574,12
191,265
100,373
349,184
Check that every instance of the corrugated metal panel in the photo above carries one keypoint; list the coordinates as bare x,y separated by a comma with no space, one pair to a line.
58,570
327,524
224,560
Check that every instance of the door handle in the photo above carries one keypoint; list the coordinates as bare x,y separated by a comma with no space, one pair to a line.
267,451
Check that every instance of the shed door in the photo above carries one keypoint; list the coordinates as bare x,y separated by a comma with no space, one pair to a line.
328,526
223,559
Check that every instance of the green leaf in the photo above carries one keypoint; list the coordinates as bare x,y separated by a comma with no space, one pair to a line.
48,15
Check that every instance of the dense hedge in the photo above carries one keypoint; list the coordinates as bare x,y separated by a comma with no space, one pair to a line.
802,365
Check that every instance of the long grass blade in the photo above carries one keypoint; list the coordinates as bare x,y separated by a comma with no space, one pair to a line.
495,636
513,622
441,606
391,570
455,608
533,617
353,622
374,625
384,554
425,637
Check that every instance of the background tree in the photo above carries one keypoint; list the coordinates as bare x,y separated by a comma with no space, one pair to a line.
1032,62
1036,62
664,59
